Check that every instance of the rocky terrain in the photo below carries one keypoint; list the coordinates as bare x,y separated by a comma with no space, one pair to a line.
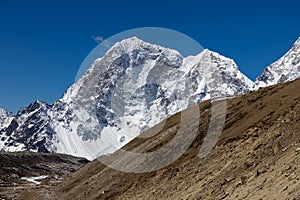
24,172
256,157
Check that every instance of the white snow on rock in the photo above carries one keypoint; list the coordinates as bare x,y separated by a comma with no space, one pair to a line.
134,86
34,179
287,68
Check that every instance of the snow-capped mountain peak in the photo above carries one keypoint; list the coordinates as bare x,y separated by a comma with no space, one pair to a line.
134,86
287,68
131,51
134,43
3,113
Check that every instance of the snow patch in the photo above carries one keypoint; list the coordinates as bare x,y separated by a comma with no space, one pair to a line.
34,179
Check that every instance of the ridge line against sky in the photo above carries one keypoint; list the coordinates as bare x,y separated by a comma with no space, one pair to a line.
43,43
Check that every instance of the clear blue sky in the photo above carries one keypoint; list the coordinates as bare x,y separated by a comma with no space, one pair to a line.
43,43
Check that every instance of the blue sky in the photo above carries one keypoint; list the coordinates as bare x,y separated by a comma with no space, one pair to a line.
43,43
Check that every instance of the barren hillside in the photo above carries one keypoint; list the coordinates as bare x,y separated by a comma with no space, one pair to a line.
23,173
257,156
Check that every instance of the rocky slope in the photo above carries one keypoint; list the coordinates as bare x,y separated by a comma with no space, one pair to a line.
21,172
132,87
256,156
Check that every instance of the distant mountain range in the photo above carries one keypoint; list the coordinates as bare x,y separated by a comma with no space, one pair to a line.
134,86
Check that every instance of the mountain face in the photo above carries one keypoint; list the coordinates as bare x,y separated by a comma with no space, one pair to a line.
5,117
287,68
134,86
28,130
258,150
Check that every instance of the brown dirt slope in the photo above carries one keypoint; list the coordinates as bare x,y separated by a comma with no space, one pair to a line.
257,156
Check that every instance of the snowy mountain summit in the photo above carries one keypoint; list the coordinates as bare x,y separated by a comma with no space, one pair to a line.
134,86
287,68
